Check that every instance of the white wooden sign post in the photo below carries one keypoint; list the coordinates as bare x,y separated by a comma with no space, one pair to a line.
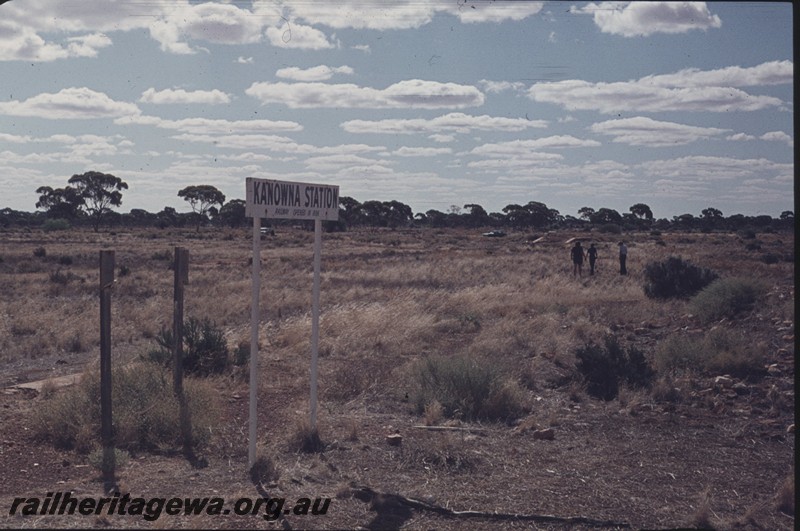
286,200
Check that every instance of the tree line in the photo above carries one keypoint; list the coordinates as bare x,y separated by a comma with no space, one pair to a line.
90,199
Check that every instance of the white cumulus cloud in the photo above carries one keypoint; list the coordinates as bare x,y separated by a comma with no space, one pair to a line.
688,90
316,73
413,93
778,136
453,122
70,103
642,131
646,18
180,96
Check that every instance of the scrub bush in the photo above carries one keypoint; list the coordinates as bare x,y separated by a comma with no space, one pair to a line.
675,278
467,388
145,410
726,297
720,351
205,349
604,367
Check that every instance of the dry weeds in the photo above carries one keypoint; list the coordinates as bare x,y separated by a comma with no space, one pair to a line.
389,298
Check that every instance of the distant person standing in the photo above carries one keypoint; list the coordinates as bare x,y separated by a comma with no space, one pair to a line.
577,259
591,252
623,257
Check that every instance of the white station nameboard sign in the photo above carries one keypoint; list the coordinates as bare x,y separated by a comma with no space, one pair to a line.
285,200
291,200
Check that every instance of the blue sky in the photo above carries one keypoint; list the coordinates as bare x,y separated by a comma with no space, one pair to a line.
678,105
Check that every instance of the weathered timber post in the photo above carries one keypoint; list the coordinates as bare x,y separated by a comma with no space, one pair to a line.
106,427
181,266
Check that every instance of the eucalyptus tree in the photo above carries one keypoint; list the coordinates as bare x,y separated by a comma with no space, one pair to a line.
203,199
99,191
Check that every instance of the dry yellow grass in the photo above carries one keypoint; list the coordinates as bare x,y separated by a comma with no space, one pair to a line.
389,299
394,293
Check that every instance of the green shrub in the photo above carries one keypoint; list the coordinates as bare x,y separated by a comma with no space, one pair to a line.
604,367
205,350
50,225
720,351
678,352
675,278
40,252
145,410
728,352
466,387
726,297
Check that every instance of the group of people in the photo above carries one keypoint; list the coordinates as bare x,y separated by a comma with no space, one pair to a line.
578,254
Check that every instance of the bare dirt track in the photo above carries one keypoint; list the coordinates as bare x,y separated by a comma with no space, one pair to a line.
716,454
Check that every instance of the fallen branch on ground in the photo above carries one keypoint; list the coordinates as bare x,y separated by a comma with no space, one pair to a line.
384,501
449,428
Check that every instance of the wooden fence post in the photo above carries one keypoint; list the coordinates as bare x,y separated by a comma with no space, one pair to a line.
181,266
107,427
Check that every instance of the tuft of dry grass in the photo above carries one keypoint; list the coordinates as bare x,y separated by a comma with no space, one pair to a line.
433,413
264,470
701,518
437,451
785,498
305,439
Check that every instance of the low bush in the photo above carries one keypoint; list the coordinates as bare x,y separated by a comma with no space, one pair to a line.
726,297
40,252
466,387
720,351
604,367
51,225
675,277
145,410
205,349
